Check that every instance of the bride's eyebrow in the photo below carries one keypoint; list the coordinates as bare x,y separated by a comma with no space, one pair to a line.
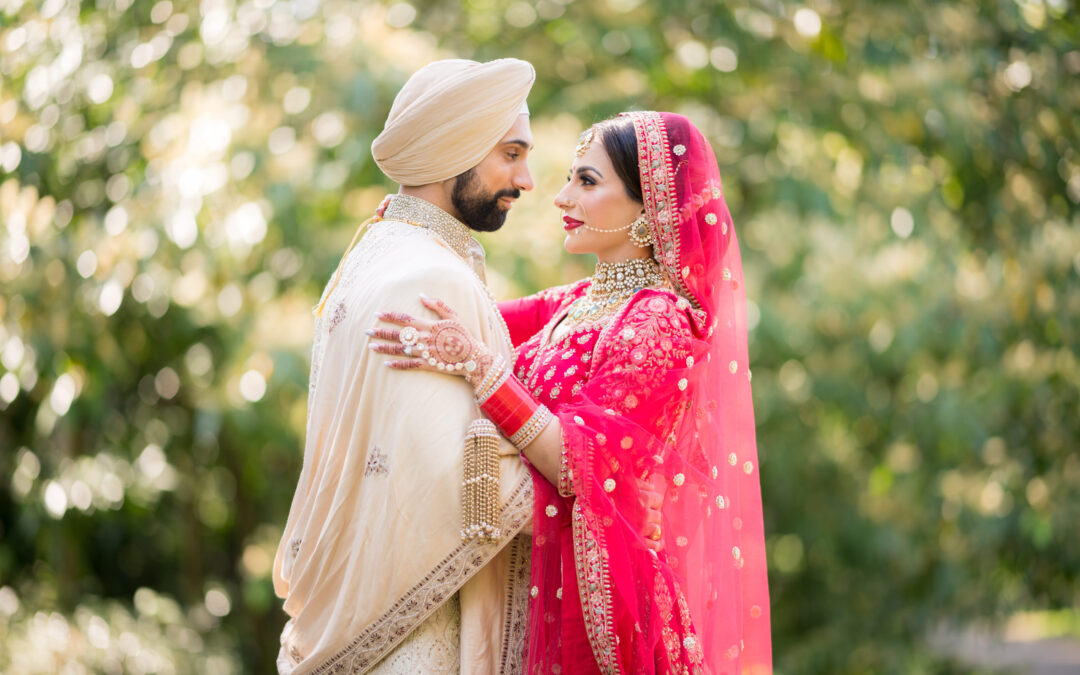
583,169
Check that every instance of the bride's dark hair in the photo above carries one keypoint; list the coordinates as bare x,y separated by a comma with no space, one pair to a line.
620,141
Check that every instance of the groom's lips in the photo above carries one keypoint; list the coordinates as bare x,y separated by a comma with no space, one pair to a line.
571,223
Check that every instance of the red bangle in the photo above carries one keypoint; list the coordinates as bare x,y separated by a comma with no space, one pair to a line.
510,406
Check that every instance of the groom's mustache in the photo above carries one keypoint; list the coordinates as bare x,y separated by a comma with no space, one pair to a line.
515,193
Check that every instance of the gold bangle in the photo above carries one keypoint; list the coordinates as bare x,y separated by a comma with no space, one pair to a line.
532,428
492,381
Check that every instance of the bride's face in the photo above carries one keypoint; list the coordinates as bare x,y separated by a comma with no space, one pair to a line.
594,197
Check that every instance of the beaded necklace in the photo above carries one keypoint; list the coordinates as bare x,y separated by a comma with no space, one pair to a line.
627,275
612,285
422,213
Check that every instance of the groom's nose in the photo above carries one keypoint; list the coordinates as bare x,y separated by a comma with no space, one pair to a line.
522,178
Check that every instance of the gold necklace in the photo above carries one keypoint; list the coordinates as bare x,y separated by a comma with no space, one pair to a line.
422,213
627,275
612,285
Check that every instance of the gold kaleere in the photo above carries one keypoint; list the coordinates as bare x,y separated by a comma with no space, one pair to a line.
480,483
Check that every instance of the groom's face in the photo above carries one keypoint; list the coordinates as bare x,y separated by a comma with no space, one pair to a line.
484,194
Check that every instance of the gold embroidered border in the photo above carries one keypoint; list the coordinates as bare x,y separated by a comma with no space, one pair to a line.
566,473
516,622
594,587
412,608
659,193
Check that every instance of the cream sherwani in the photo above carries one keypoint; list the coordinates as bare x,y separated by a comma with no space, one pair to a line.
371,565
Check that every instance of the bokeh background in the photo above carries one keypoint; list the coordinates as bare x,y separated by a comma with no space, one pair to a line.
178,180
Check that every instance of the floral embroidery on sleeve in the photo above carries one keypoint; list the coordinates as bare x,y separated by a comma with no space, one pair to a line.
651,343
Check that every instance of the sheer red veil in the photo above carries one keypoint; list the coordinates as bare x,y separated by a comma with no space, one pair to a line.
603,601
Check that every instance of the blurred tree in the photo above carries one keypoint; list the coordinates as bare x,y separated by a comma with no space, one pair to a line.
178,180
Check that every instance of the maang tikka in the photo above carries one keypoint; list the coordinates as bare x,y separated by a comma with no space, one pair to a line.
584,141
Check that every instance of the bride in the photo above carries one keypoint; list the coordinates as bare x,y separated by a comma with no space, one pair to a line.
638,373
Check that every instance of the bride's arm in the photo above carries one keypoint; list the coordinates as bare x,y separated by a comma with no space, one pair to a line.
545,452
446,346
526,316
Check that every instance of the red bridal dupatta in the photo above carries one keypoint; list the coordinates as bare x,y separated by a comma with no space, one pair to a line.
667,399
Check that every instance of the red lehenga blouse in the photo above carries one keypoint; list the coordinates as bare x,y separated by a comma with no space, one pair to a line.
656,387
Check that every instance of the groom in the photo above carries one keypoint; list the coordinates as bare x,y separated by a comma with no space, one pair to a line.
374,570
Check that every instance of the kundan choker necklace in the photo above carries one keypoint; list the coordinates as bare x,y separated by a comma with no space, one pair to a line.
612,285
625,276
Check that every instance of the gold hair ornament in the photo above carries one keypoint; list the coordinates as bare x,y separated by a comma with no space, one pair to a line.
584,141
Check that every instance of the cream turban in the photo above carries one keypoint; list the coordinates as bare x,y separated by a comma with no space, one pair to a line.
449,116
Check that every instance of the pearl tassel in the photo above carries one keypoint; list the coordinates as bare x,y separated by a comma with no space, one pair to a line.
480,483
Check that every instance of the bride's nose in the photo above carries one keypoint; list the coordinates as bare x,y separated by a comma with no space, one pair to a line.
561,200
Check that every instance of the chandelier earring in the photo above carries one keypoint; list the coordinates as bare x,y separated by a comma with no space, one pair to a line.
639,232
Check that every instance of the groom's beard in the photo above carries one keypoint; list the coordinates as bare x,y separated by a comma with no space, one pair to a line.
479,210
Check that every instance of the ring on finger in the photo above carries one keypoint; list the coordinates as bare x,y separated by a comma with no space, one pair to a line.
409,336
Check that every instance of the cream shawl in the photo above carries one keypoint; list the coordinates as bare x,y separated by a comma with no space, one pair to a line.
372,543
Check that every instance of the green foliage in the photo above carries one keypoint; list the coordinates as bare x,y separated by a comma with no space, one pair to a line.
178,180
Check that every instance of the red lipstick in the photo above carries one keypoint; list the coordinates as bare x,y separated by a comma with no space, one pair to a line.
571,223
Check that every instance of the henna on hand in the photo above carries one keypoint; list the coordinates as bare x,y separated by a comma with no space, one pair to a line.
450,343
450,348
389,348
440,307
445,345
384,334
483,365
404,365
395,317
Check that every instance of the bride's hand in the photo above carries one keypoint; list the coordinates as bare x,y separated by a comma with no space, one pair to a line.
443,346
651,497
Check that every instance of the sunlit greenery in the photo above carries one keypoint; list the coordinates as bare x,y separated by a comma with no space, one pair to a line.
178,180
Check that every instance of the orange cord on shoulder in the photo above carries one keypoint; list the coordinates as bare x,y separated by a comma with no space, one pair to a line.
337,272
